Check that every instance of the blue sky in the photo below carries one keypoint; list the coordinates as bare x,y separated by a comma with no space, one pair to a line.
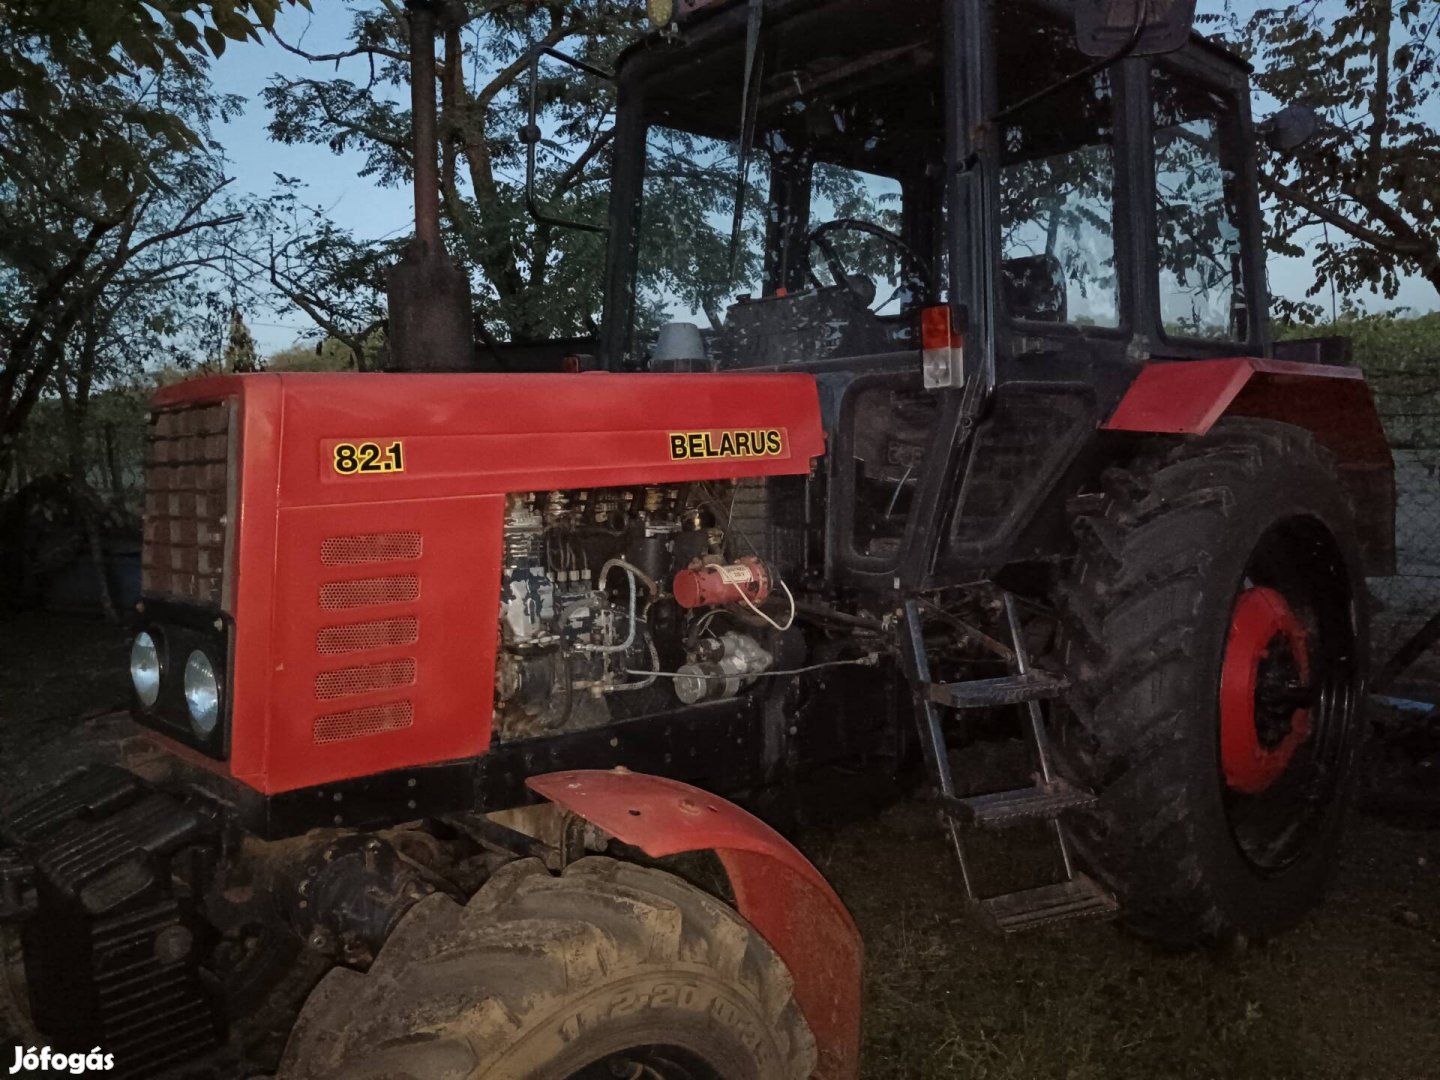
372,211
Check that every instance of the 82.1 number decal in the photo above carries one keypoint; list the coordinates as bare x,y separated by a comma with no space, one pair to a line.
360,459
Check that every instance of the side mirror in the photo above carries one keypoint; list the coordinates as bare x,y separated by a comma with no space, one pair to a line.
1107,28
530,136
1290,129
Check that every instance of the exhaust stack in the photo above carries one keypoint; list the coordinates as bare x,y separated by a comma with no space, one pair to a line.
429,296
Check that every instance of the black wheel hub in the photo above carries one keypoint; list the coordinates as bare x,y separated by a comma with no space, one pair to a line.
1279,691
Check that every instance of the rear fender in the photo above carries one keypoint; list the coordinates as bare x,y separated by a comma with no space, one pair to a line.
776,888
1333,403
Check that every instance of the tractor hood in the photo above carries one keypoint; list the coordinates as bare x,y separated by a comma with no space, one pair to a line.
332,543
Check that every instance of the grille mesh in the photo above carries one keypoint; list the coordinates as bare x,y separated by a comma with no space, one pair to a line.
357,723
364,679
336,640
368,592
187,503
374,547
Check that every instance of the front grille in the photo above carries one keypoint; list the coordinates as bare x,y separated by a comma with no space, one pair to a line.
187,503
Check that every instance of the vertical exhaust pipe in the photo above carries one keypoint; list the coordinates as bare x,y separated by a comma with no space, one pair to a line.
422,109
430,325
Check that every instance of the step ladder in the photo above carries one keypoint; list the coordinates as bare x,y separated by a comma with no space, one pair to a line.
1078,896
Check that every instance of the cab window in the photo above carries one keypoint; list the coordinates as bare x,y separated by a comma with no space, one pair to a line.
1057,179
1197,210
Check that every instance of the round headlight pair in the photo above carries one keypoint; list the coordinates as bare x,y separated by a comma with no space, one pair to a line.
202,693
202,688
145,669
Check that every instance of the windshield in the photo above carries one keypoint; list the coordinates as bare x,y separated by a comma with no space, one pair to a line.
840,223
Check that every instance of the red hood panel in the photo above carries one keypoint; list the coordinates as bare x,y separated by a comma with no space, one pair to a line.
492,434
367,607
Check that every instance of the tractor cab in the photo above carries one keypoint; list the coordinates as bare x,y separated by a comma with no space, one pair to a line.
971,221
797,182
822,233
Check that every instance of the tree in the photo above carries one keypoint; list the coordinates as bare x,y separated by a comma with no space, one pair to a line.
84,281
240,354
1372,177
111,189
315,267
531,282
62,61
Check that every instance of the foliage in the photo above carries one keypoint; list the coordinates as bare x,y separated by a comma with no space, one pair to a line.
1401,360
88,292
1371,178
328,354
530,282
113,205
240,355
309,264
62,60
112,445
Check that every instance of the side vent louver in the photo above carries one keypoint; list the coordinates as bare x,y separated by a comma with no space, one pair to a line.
357,637
384,676
363,680
357,723
368,592
375,547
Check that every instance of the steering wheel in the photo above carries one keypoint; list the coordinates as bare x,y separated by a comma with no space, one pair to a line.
819,238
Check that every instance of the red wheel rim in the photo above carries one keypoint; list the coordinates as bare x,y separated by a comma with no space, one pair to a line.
1261,621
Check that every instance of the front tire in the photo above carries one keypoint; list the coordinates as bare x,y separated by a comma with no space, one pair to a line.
1213,633
608,970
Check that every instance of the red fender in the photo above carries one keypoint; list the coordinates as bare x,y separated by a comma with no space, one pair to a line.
1186,397
776,888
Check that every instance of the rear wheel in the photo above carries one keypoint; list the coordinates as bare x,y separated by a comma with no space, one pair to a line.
1214,637
611,970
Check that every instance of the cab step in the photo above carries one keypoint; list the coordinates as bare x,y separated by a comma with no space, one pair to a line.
1005,690
1000,809
1049,905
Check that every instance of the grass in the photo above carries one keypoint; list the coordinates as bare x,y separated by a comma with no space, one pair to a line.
1350,993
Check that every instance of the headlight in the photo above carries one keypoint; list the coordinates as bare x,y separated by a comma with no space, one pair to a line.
202,694
145,669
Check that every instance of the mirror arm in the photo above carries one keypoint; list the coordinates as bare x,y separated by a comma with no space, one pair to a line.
530,136
1078,76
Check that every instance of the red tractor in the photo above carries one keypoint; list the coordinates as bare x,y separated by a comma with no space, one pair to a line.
431,659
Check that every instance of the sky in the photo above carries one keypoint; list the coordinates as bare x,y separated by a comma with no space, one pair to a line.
373,212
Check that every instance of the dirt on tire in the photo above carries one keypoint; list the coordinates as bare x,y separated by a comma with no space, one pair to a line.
541,976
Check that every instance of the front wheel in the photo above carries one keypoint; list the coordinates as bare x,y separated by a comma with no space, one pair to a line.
1213,634
610,970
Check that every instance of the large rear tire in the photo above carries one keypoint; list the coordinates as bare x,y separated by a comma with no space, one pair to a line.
1213,631
608,970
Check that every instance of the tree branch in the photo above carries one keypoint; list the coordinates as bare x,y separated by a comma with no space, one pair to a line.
18,351
1383,241
359,50
1380,93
